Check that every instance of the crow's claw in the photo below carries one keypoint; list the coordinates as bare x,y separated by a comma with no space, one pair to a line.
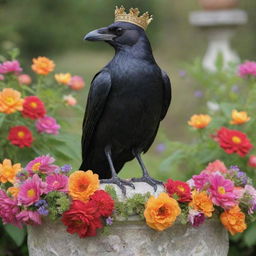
147,179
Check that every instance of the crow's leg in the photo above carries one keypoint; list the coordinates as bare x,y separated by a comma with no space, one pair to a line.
145,178
115,179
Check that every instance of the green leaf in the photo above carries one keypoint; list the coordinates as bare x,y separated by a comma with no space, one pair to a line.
227,109
250,235
2,117
18,235
176,156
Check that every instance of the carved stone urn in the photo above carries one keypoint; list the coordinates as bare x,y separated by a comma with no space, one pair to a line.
218,4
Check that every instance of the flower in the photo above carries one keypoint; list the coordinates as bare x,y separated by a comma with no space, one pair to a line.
252,161
104,202
10,101
63,78
82,218
202,203
76,83
199,121
233,141
66,168
249,198
196,218
161,212
14,191
42,65
222,191
198,94
233,220
239,117
160,147
33,107
179,190
47,124
109,221
8,171
213,106
43,164
20,136
69,100
29,217
216,166
1,77
247,68
82,185
201,181
10,67
57,182
238,177
24,79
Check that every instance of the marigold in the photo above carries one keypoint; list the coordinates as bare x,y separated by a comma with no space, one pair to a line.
239,117
63,78
10,101
82,185
8,171
202,202
161,212
42,65
234,220
199,121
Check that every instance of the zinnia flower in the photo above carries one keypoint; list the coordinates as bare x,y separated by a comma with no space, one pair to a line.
20,136
33,107
76,83
233,220
239,117
57,182
247,68
63,78
199,121
82,218
14,191
249,198
196,218
252,161
10,101
82,185
10,67
8,171
29,217
161,212
201,181
233,141
42,65
1,77
69,100
47,124
216,166
24,79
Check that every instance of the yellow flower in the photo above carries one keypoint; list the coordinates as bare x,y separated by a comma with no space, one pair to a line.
199,121
239,117
10,101
42,65
161,212
8,171
82,185
63,78
14,191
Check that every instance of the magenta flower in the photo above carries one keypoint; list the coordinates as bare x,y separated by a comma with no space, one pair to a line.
222,191
201,181
247,68
196,218
10,67
1,77
9,209
57,182
48,125
29,217
42,164
216,166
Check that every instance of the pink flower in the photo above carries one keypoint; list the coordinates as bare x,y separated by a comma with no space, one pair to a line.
10,67
57,182
29,217
42,164
31,190
201,181
216,166
69,100
9,209
196,218
247,68
252,161
76,83
24,79
48,125
222,191
1,77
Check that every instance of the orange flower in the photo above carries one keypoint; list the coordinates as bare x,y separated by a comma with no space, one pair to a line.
62,78
199,121
239,117
14,191
42,65
8,171
10,101
234,220
82,185
202,202
161,212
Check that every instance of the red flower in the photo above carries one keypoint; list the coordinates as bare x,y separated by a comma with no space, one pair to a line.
252,161
33,107
178,189
104,202
82,218
233,141
20,136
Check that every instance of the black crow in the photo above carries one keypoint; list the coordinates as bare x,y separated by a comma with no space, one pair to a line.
127,100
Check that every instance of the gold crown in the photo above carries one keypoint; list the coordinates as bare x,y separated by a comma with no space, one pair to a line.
133,17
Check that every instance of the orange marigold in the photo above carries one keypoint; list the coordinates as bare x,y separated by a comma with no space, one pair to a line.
8,171
161,212
10,101
63,78
81,185
199,121
42,65
239,117
234,220
14,191
202,202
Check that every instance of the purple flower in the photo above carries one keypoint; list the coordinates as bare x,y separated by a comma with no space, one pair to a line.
109,221
57,182
235,88
198,94
10,67
250,198
29,217
40,203
239,177
48,125
246,69
182,73
66,168
160,147
196,218
43,211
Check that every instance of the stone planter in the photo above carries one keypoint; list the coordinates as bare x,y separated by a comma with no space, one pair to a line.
218,4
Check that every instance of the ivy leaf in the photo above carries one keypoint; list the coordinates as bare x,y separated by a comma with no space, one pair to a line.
18,235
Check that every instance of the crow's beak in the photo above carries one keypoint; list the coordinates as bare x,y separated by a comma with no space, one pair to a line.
102,34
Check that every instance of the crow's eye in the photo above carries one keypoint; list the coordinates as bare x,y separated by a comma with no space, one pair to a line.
117,31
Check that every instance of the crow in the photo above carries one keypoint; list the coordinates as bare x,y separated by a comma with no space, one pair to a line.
127,100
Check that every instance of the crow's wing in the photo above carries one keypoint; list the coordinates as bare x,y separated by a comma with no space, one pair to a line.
97,98
167,94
